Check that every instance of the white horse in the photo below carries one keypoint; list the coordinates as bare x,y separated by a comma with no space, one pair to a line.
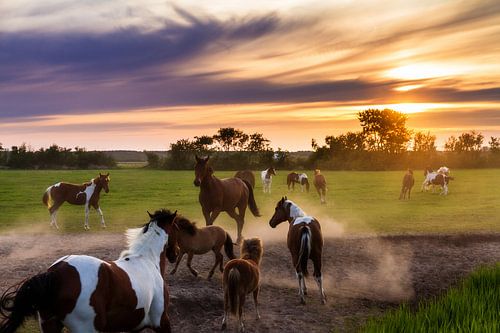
267,179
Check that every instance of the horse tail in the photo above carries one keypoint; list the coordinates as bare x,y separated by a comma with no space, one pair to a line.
228,247
47,198
233,283
24,300
305,249
251,200
307,185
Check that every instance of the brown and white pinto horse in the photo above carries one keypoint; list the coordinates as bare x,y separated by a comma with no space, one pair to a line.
304,240
223,195
87,295
320,185
241,277
247,175
193,240
301,179
77,194
267,179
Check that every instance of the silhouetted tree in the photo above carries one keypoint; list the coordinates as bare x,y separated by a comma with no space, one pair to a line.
467,142
424,142
203,143
257,143
230,138
494,144
153,159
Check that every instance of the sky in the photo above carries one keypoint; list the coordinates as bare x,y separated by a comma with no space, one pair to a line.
106,74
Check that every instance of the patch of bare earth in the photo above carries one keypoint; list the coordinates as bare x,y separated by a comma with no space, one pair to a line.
363,277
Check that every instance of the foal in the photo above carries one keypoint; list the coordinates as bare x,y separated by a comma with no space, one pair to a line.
241,277
408,182
77,194
193,240
304,240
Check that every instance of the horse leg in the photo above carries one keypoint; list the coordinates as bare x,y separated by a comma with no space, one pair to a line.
226,309
177,262
300,277
218,259
53,214
318,277
255,302
191,269
206,215
241,298
86,224
214,215
240,221
99,210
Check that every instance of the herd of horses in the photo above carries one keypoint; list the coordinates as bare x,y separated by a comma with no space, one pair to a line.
440,178
87,294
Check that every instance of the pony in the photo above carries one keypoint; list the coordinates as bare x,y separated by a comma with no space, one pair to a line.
320,185
193,240
304,240
247,175
86,294
77,194
408,182
242,277
267,179
217,195
434,178
301,179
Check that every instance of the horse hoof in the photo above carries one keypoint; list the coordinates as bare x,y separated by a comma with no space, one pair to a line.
302,301
195,273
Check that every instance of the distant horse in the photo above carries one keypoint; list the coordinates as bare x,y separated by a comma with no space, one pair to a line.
320,185
304,240
301,179
247,175
434,178
193,240
444,170
408,182
217,195
267,179
241,277
86,294
82,194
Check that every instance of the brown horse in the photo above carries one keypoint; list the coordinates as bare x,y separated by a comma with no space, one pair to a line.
241,277
87,294
218,195
320,185
305,241
247,175
82,194
408,182
193,240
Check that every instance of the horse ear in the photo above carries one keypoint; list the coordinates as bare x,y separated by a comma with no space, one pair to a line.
207,158
286,198
100,175
107,175
150,215
175,213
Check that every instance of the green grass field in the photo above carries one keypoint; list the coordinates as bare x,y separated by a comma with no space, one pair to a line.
360,202
471,307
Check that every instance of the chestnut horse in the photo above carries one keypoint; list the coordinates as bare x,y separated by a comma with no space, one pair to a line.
82,194
320,185
241,277
193,240
408,182
246,175
87,295
304,240
218,195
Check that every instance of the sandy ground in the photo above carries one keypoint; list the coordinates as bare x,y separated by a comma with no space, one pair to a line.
364,276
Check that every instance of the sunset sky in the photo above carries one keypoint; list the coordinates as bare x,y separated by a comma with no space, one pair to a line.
129,74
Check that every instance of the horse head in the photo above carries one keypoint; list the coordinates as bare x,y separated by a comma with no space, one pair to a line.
103,181
165,220
281,213
271,171
201,170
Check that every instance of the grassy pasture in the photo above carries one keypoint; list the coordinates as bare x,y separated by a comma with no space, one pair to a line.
360,202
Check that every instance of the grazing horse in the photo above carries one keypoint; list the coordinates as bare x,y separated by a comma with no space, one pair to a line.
246,175
304,240
217,195
320,185
301,179
87,295
434,178
408,182
267,179
77,194
193,240
241,277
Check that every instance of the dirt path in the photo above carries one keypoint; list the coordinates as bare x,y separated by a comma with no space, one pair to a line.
363,277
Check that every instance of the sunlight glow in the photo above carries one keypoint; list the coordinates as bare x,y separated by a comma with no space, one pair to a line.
409,87
423,71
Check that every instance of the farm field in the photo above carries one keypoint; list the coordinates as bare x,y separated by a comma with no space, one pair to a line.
379,251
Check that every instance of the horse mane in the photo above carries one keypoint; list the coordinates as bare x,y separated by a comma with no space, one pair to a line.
135,239
295,211
252,249
186,225
161,213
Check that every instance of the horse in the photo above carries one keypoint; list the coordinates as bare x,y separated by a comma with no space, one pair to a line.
301,179
193,240
304,240
320,185
408,182
242,277
77,194
267,179
86,294
247,175
434,178
217,195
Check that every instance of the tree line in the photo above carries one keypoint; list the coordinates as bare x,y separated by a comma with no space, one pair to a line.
54,157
